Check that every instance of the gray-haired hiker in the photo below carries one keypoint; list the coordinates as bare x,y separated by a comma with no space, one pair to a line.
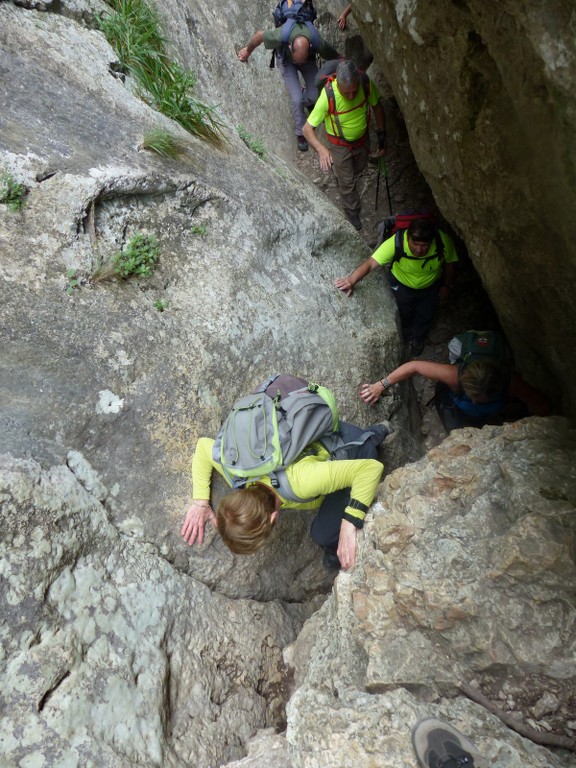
344,107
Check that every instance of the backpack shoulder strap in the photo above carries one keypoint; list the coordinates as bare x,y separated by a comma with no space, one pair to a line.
399,251
439,246
286,30
336,124
314,37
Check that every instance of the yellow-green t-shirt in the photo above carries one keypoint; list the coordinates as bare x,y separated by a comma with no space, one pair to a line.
417,271
353,115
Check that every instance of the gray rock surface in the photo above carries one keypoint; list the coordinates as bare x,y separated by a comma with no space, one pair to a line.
467,577
110,656
119,645
487,92
248,254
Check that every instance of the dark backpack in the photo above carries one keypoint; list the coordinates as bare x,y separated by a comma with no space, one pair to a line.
324,79
290,12
300,11
398,224
269,429
488,346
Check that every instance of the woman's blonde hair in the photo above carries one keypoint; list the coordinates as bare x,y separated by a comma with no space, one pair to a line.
483,380
243,518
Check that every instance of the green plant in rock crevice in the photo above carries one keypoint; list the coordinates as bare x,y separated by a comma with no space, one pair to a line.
73,281
133,30
12,192
253,143
138,258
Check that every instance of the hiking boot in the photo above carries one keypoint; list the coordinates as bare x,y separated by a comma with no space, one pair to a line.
331,560
439,745
383,430
302,144
354,219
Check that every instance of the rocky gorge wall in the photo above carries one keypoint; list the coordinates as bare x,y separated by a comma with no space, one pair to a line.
487,92
119,645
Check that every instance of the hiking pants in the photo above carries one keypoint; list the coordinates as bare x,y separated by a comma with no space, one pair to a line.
417,307
299,97
325,528
348,163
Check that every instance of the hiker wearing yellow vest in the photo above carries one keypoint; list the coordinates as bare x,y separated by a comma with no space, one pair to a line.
346,120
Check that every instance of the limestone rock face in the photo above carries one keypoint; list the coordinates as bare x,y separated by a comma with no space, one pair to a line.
248,255
109,656
467,577
488,96
121,646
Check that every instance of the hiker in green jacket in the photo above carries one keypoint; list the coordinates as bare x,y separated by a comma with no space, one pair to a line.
341,491
297,58
345,118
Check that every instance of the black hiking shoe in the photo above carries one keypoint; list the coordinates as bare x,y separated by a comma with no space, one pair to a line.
302,144
439,745
354,219
383,429
331,560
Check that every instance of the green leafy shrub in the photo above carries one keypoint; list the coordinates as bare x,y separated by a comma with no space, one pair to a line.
133,30
161,305
198,229
12,193
139,257
255,144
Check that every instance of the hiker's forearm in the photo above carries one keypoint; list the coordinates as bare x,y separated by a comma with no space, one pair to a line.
360,272
202,466
310,135
444,372
256,40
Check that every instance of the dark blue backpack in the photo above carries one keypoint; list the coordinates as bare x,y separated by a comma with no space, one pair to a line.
290,12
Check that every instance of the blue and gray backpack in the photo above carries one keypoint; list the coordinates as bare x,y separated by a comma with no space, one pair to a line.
290,12
278,424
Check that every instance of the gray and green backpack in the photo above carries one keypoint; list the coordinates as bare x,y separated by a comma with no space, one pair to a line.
271,428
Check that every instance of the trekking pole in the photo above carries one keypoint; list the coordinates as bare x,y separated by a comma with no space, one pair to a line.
382,166
387,185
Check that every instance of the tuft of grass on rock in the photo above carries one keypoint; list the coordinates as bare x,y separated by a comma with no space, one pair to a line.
163,143
133,29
